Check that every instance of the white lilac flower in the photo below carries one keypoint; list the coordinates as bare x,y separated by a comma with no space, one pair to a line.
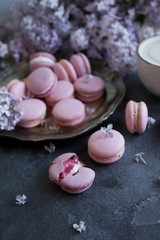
3,49
79,39
151,121
51,148
106,131
49,3
79,227
9,117
139,158
20,200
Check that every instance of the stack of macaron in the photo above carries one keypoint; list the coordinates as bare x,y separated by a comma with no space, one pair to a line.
64,86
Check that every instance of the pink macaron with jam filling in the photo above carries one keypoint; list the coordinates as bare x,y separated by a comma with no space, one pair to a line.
18,88
136,115
64,90
69,112
41,82
65,71
106,145
41,59
69,173
81,64
89,88
34,112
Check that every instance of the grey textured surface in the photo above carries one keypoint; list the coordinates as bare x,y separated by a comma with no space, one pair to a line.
122,204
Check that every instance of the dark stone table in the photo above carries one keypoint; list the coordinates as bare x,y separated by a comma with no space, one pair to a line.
122,204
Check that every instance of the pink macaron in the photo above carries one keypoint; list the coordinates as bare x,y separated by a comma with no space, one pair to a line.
89,88
81,64
41,59
136,115
70,174
106,145
65,71
69,112
18,88
34,112
41,82
64,90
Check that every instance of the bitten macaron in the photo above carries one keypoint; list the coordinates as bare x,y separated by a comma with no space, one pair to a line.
41,59
89,88
18,88
136,116
69,112
41,82
70,174
106,145
81,64
34,112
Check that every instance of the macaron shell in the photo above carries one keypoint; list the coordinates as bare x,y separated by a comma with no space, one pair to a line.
86,62
41,62
79,182
78,65
130,117
64,90
41,82
35,111
57,166
60,72
142,117
105,147
106,160
69,110
69,69
18,88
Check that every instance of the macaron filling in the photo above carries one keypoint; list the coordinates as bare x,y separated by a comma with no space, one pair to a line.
43,59
71,166
28,123
136,116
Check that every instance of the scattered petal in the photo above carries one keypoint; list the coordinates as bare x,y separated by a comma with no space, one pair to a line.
79,227
51,148
20,200
151,121
139,158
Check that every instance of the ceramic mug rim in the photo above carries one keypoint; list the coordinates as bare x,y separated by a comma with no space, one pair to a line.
138,54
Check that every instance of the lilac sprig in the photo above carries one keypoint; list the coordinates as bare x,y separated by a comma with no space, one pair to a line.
9,117
106,131
51,148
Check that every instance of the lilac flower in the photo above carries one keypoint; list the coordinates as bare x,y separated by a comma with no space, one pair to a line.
106,131
79,39
139,158
49,3
9,117
51,148
3,50
20,200
79,227
151,121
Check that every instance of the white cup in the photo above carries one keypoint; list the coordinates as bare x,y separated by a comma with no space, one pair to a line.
148,63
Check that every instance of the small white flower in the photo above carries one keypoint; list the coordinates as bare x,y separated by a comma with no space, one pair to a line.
20,200
106,131
139,158
79,227
151,121
51,148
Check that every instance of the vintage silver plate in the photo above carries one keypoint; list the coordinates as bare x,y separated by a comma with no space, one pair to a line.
96,112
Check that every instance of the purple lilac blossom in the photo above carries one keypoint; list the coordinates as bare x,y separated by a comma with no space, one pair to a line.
9,117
